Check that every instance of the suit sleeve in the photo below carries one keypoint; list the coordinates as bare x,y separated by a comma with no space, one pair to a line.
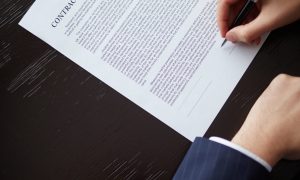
208,160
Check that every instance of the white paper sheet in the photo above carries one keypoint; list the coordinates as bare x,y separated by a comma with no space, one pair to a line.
165,56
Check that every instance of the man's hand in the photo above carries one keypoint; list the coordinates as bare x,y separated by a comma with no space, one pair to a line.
272,128
271,15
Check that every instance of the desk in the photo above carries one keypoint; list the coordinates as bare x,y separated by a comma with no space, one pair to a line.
59,122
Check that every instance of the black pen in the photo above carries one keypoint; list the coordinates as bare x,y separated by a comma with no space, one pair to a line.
242,15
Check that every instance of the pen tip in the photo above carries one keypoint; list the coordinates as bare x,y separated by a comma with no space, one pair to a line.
223,43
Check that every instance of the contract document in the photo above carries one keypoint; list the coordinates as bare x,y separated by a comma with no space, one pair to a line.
163,55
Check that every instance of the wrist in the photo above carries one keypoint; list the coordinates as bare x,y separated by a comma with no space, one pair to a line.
260,146
242,150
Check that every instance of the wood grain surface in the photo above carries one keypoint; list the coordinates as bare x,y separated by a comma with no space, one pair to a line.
59,122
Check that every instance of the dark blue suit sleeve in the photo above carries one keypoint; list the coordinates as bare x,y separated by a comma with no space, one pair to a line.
208,160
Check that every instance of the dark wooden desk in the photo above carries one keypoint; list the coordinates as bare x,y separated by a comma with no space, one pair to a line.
59,122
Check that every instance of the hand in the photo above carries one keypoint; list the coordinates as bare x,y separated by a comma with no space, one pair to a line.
272,128
271,15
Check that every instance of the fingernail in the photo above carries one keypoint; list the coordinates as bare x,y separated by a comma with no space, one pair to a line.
231,37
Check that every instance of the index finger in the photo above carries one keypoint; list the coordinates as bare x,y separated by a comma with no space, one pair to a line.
223,15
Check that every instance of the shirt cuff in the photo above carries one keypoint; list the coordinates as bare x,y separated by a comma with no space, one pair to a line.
243,151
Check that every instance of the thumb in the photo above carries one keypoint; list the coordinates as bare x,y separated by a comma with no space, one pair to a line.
250,32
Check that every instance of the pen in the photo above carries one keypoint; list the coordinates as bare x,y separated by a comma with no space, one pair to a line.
242,15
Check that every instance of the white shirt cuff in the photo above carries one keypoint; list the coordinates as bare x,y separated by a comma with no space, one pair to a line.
243,151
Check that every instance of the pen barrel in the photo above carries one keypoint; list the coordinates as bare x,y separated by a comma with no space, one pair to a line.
242,15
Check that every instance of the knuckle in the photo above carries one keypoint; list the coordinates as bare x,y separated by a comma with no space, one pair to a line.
281,80
283,77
